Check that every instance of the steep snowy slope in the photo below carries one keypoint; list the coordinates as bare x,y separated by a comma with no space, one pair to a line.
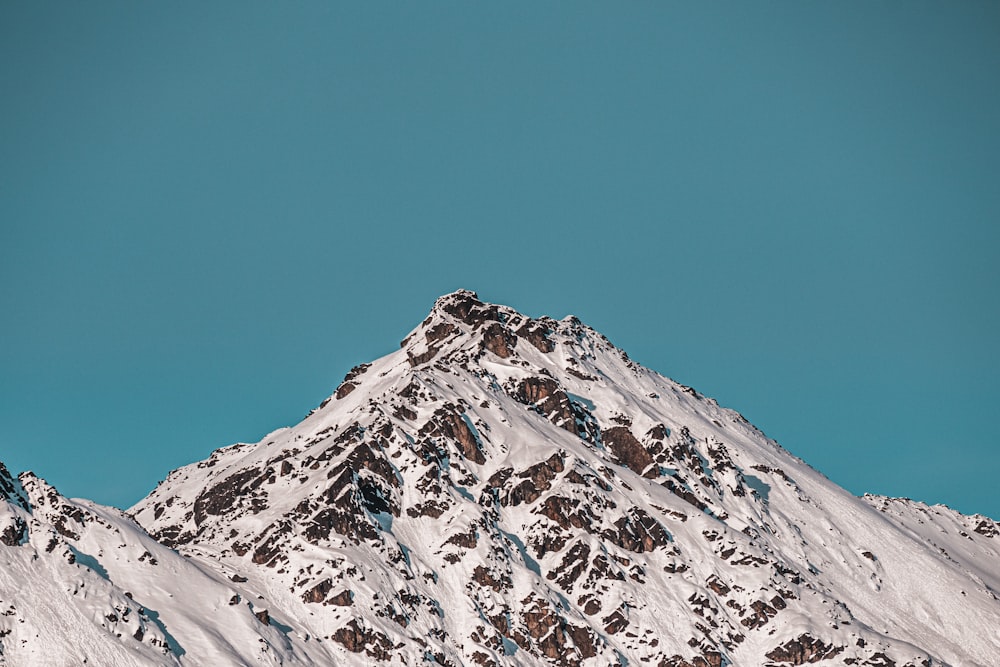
82,584
508,490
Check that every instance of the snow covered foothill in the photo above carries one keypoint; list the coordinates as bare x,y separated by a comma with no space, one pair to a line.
87,585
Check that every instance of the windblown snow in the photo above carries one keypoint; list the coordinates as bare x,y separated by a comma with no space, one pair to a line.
501,490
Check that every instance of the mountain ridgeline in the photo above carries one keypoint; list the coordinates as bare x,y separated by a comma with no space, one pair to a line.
501,490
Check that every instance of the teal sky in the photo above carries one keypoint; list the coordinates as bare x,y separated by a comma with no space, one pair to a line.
210,211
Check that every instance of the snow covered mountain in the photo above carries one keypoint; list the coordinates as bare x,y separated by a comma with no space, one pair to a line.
501,490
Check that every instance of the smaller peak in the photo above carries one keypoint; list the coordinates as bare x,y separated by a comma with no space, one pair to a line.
32,484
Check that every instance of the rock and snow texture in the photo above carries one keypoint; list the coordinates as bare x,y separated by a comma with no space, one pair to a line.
82,584
503,491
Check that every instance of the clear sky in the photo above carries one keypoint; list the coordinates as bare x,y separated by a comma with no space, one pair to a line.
210,211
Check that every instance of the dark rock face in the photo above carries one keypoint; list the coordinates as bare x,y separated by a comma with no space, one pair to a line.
629,451
226,494
537,480
538,334
14,533
465,306
499,340
318,592
639,532
534,390
358,639
547,633
423,357
343,599
439,332
349,384
987,528
548,399
449,423
709,659
804,649
10,490
13,529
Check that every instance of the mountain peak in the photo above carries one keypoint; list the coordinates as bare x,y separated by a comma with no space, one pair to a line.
461,320
508,490
459,296
464,306
512,490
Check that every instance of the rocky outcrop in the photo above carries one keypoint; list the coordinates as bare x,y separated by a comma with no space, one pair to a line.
629,451
546,397
350,382
802,650
358,639
499,340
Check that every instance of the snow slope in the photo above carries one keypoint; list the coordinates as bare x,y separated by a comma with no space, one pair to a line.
84,584
501,490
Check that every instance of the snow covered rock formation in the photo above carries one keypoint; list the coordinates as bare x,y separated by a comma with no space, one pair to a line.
502,490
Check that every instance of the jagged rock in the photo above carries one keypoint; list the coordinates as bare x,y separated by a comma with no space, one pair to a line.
629,451
545,396
537,333
498,340
419,358
804,649
987,528
349,384
14,532
452,424
357,639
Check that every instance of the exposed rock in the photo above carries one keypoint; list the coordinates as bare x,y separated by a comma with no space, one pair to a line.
345,598
537,333
465,540
629,451
708,659
639,532
455,426
318,592
416,359
804,649
439,332
987,528
545,396
358,639
14,532
615,623
349,384
219,498
574,563
465,306
499,340
485,577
